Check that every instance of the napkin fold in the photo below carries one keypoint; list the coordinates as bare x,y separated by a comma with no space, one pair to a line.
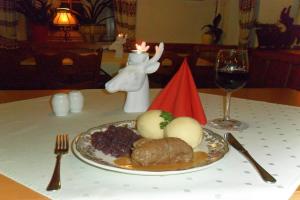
180,96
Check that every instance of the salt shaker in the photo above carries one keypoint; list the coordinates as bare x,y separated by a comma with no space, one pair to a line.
60,104
76,101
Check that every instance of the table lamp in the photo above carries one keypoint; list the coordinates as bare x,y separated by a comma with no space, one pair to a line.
66,20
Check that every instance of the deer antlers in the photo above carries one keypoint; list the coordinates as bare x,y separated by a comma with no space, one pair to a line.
158,52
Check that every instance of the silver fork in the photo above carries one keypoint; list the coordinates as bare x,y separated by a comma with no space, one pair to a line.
61,147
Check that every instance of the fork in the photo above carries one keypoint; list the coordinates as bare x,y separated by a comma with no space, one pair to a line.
61,147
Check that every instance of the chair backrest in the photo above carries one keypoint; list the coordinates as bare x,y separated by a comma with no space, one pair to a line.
169,64
274,69
89,66
8,67
207,52
69,69
13,75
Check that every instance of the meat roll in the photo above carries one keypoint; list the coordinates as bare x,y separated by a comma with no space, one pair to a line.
161,151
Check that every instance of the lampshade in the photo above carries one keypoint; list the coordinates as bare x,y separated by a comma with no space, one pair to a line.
64,17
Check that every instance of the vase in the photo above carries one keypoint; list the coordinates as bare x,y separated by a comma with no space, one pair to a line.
39,33
207,38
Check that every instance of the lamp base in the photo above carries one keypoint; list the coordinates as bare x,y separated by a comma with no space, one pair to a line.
66,35
59,36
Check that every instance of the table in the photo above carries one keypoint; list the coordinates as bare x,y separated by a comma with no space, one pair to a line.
14,190
111,64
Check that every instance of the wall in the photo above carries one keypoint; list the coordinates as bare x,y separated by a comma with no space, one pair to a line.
173,20
181,20
269,11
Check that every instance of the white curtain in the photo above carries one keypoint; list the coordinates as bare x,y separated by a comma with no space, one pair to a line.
125,17
220,7
296,6
246,21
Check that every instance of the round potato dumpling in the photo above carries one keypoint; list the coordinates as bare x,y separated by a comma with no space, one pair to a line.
185,128
148,124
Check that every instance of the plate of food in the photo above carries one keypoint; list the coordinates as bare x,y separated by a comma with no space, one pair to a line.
154,144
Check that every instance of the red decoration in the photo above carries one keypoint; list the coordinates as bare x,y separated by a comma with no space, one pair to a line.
180,97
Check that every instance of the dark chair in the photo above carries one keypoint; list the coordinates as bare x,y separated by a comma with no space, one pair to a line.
15,76
169,64
8,67
71,70
294,80
257,70
202,62
274,69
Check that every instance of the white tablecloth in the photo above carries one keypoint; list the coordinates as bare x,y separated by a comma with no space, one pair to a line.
28,129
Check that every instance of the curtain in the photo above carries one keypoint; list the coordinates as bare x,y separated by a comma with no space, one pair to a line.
297,14
125,17
246,20
8,19
220,6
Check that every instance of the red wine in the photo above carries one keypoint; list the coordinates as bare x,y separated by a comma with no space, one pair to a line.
231,80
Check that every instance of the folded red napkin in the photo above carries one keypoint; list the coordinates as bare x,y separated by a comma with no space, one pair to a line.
180,96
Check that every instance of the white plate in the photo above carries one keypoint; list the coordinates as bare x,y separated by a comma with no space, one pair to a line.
213,144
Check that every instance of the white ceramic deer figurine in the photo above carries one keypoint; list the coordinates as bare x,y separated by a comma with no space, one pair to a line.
117,45
133,79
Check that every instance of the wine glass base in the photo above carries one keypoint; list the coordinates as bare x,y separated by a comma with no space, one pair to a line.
231,124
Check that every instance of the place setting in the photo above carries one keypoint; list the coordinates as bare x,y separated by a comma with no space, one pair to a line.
144,146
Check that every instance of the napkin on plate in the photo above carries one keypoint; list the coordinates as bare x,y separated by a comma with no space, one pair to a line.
180,96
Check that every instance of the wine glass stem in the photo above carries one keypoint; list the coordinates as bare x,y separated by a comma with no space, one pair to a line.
227,106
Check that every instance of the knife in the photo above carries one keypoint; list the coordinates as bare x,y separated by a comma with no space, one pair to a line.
263,173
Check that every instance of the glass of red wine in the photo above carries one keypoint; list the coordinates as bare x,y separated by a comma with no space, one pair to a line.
231,74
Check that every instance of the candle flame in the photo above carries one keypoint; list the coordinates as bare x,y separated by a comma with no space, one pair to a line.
142,48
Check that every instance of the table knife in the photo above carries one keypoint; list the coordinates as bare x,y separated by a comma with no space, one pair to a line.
263,173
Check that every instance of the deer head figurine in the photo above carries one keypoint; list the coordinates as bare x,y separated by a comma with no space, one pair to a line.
133,79
117,45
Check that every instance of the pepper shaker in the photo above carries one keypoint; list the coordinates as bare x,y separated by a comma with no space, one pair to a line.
76,101
60,104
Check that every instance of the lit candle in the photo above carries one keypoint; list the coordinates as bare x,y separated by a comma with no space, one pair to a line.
139,55
141,48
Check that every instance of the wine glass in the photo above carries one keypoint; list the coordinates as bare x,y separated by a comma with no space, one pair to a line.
231,74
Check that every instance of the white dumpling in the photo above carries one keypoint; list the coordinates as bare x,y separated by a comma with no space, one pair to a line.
185,128
148,124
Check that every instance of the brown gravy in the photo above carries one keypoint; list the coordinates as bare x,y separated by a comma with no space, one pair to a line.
199,158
